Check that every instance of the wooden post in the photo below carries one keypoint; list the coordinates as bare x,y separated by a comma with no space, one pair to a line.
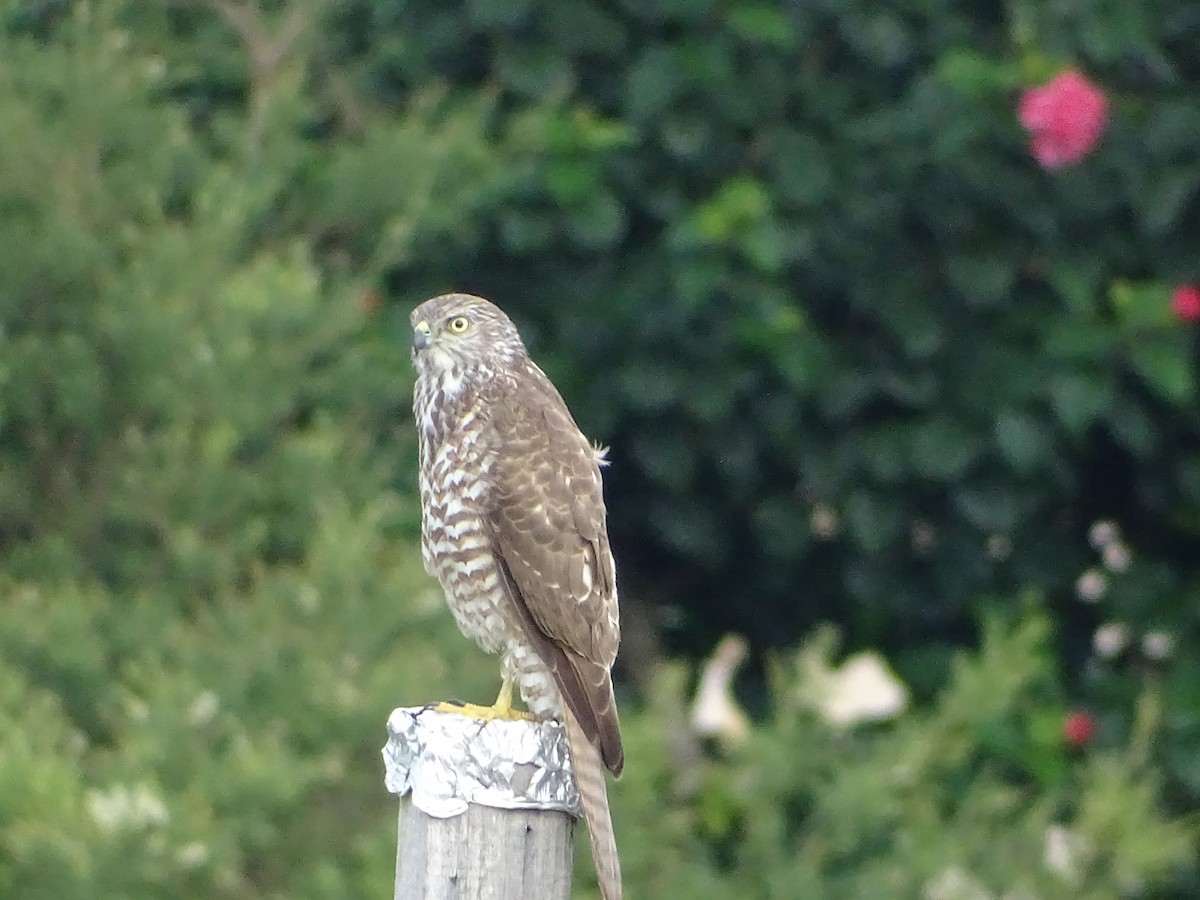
487,808
484,852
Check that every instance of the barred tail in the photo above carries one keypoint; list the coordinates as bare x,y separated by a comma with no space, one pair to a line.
589,771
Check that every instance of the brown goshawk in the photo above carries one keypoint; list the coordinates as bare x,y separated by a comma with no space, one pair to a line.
513,526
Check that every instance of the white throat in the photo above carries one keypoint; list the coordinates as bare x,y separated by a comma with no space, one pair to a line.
450,382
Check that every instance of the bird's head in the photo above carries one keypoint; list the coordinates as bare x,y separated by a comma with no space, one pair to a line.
461,331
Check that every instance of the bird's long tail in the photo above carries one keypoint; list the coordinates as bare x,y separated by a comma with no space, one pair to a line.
589,772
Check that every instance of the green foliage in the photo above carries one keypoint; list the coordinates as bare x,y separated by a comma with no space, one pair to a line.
819,273
859,357
211,597
792,263
931,805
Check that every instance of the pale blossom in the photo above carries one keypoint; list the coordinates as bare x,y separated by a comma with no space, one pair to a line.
715,713
823,521
124,808
1091,585
1110,639
203,708
1103,533
1116,557
1065,852
999,546
192,855
1158,645
862,689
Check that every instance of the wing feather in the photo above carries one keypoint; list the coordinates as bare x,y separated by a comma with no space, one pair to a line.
547,520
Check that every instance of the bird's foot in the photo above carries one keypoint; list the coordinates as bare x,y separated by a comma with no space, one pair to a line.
486,713
501,709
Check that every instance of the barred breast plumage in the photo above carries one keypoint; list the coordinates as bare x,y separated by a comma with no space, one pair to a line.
513,526
456,459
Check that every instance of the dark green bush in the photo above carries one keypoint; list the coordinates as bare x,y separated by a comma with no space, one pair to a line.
858,356
796,261
938,804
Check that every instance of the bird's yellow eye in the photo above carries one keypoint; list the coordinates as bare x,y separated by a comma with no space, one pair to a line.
458,324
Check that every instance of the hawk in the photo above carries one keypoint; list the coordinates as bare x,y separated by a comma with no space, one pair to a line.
513,526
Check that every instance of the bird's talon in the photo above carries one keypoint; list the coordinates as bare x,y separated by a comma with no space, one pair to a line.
485,713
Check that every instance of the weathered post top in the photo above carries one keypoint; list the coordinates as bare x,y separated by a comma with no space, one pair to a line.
486,807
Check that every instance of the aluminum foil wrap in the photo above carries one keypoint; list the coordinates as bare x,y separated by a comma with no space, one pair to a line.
447,760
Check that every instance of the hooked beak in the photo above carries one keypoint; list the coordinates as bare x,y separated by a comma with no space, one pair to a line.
421,336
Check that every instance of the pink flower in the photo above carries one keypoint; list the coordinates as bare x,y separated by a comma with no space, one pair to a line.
1185,300
1064,118
1078,728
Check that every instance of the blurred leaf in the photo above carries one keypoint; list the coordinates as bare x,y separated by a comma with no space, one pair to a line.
943,448
693,529
1163,359
874,521
1167,198
1079,399
990,508
1078,285
738,204
1140,306
973,73
665,458
1022,440
652,83
600,222
981,280
782,527
762,23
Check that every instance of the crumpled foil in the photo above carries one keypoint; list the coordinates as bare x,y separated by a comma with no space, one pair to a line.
448,760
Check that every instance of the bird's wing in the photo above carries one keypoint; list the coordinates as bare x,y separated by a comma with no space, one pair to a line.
545,511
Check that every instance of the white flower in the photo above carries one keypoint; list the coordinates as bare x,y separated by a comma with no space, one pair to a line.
124,808
1110,639
1065,853
1158,645
308,598
715,712
156,67
204,708
999,546
1102,534
862,689
1091,585
1116,556
823,521
136,708
192,856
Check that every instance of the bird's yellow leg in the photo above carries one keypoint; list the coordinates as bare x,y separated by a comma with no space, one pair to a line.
501,709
